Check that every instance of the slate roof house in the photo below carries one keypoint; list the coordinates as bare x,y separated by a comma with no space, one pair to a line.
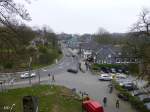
106,54
87,49
109,54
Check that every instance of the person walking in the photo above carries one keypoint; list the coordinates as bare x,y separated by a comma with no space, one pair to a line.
117,103
49,75
111,89
53,78
105,101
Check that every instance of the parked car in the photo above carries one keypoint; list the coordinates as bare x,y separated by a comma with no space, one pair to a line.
105,70
72,70
129,86
113,70
146,100
105,77
120,76
26,75
147,105
123,97
142,97
139,92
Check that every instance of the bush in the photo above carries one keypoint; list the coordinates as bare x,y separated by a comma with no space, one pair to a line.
95,67
133,68
45,58
99,66
8,65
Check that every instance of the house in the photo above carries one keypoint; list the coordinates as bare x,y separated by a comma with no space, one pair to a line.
87,49
38,41
105,55
109,54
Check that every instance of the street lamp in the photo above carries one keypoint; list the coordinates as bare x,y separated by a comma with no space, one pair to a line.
38,71
30,61
1,83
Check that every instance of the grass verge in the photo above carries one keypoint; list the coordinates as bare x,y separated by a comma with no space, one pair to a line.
56,99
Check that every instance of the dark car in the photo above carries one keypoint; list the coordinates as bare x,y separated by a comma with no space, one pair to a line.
72,70
146,100
105,69
122,96
136,93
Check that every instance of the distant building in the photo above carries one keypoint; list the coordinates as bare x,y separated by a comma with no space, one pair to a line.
73,43
38,41
109,54
106,54
87,49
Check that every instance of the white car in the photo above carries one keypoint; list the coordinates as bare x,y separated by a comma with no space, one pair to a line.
26,75
105,77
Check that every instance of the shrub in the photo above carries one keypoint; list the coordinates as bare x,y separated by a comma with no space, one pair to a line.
8,65
133,68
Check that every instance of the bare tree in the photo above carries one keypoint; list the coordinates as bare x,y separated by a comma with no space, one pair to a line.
9,11
102,31
142,26
141,31
11,15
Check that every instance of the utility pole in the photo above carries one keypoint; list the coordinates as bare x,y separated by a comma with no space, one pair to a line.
30,61
39,75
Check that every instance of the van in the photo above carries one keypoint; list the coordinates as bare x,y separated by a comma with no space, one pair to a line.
92,106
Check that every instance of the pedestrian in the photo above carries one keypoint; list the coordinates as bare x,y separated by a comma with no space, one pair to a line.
117,103
53,78
49,75
111,89
105,101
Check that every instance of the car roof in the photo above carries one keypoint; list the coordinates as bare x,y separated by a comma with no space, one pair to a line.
104,75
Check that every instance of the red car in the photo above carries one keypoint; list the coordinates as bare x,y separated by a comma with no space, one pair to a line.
92,106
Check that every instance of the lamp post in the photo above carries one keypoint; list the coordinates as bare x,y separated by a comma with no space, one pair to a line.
39,75
1,83
30,61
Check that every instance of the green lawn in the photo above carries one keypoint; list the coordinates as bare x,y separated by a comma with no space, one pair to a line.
56,99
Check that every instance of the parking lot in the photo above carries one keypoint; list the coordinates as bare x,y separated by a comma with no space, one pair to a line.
96,89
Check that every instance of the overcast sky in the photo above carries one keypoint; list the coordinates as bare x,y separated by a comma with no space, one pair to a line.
85,16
